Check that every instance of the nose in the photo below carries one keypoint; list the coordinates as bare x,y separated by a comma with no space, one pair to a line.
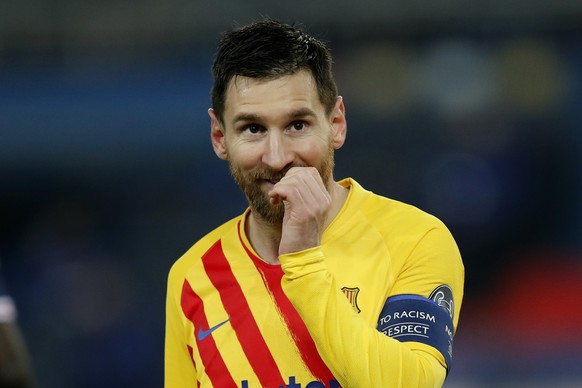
277,154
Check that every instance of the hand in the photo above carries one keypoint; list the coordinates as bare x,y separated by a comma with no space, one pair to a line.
306,203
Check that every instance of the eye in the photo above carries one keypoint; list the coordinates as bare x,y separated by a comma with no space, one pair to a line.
298,125
253,129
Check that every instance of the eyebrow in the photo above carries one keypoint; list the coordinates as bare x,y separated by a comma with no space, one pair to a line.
302,112
246,117
295,114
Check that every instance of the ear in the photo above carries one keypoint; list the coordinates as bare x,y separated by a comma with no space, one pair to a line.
217,135
338,123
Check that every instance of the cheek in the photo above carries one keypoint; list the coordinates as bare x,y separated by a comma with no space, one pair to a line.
243,157
312,152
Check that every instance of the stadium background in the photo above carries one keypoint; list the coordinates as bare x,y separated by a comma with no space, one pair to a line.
470,110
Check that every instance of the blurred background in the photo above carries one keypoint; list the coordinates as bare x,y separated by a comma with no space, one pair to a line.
469,110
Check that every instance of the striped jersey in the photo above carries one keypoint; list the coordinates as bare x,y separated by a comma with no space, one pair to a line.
233,320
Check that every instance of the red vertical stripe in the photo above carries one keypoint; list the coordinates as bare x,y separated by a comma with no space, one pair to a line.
214,365
272,276
241,318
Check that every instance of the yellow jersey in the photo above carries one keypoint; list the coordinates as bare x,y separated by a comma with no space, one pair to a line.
376,305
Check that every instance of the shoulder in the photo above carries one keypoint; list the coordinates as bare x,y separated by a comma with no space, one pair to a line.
407,227
391,214
194,255
402,227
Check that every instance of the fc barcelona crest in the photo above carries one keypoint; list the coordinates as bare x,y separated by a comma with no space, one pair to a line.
352,295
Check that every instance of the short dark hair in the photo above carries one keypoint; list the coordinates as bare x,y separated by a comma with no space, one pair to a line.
269,49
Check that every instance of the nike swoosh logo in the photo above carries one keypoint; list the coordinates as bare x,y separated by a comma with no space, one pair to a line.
202,334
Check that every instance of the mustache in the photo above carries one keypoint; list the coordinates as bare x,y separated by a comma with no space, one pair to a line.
265,173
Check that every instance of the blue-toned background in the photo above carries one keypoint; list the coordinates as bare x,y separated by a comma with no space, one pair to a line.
470,111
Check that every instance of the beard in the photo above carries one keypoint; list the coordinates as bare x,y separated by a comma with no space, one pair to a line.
259,201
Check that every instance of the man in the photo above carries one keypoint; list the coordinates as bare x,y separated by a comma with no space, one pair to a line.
319,283
15,370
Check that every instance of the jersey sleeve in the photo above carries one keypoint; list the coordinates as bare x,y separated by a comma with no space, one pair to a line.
356,352
179,370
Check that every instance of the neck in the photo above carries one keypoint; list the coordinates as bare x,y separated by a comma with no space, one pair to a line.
265,237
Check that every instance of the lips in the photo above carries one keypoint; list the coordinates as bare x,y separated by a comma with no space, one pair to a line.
268,182
272,179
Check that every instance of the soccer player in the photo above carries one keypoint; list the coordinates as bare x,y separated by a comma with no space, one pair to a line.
15,369
319,283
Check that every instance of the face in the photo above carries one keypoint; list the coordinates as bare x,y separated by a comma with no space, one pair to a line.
270,126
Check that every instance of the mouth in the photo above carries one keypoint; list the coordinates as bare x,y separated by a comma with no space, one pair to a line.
268,179
272,179
268,182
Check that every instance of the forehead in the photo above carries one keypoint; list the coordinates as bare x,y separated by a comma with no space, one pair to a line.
272,94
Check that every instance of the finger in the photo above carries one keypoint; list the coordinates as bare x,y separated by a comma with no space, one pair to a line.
315,189
275,198
302,194
300,182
